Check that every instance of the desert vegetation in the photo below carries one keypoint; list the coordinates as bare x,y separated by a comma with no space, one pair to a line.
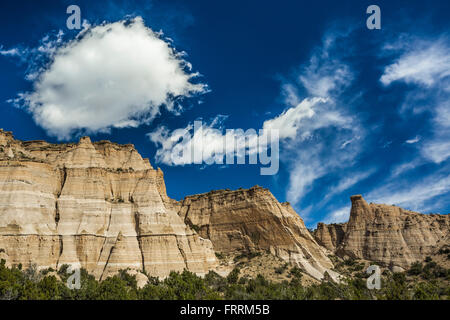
417,283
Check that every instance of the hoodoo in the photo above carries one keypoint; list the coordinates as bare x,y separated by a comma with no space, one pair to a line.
385,234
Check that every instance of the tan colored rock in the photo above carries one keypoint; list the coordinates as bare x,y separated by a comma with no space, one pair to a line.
330,236
141,279
98,205
388,235
247,220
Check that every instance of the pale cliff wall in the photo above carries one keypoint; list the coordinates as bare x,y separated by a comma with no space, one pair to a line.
96,205
388,234
245,220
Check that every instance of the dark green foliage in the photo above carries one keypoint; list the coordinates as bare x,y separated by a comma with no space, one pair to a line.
281,269
233,276
296,272
426,291
415,269
16,284
219,255
195,227
181,286
430,271
115,288
247,254
395,287
350,262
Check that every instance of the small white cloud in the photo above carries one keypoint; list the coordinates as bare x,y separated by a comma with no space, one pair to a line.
112,75
9,52
347,142
414,140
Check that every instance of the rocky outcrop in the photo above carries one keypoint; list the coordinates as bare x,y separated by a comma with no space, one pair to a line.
386,234
95,205
248,220
330,236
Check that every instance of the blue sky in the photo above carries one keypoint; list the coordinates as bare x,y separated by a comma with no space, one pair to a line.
359,111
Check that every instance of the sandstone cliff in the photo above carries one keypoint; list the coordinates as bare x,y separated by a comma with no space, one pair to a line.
247,220
103,207
330,236
385,234
95,205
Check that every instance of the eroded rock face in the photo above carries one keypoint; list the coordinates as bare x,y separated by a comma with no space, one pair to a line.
246,220
95,205
330,236
386,234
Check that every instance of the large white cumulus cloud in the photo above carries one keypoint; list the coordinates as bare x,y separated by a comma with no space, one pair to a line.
112,75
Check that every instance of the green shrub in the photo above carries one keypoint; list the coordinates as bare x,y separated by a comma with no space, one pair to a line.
16,284
415,269
281,269
233,276
219,255
296,272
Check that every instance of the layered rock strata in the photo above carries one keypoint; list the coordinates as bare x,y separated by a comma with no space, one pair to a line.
95,205
252,219
330,236
386,234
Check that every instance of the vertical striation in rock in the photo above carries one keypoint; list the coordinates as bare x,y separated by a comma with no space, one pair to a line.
386,234
95,205
330,236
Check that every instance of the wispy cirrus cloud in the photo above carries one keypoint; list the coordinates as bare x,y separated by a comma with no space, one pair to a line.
415,195
425,65
327,140
423,62
338,216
